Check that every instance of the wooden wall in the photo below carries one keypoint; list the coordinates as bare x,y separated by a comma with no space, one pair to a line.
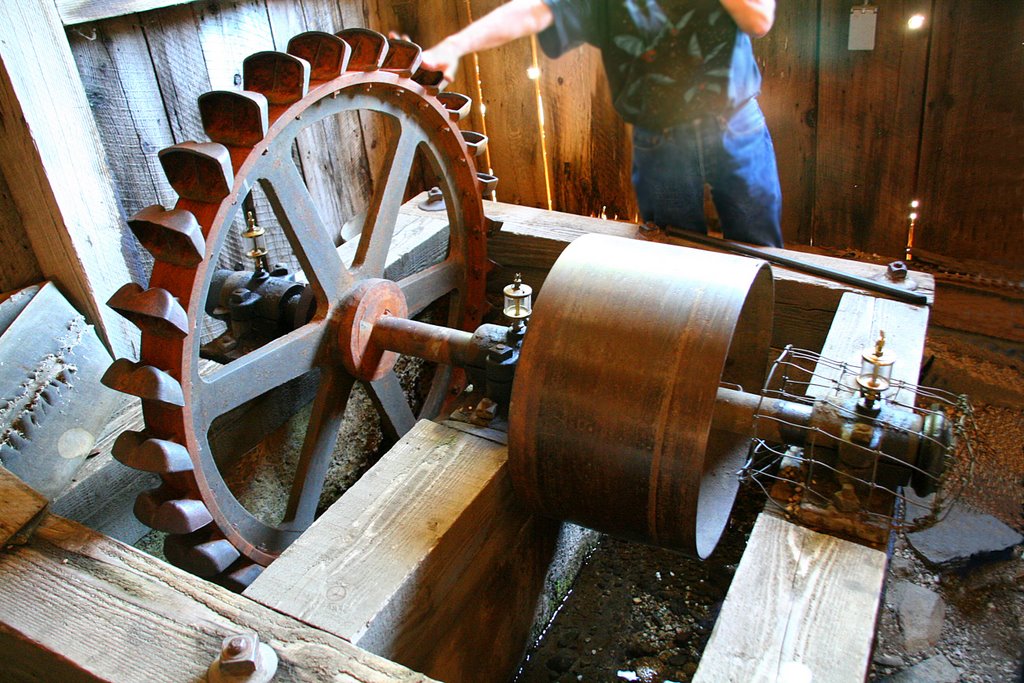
930,115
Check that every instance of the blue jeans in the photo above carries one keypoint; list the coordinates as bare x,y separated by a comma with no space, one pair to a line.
735,157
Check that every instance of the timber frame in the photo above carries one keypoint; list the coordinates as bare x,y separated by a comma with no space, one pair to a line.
429,560
159,623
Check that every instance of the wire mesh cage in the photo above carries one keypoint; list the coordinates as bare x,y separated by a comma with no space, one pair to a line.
856,456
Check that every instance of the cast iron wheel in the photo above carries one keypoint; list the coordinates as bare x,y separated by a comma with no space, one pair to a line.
252,132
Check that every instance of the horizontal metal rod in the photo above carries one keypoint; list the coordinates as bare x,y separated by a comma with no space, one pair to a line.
848,278
435,343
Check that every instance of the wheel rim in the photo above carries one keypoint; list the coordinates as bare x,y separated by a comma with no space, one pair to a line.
423,123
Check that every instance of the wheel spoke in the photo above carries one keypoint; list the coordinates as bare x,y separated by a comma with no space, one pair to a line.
255,373
379,226
430,284
297,211
318,449
389,398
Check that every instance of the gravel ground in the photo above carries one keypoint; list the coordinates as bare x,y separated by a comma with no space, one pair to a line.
645,614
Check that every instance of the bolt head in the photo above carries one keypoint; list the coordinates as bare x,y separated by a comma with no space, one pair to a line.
239,654
897,270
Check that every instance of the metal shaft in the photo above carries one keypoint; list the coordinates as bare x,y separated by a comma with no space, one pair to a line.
435,343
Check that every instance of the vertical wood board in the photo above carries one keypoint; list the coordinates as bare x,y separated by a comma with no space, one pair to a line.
971,183
788,59
868,129
589,145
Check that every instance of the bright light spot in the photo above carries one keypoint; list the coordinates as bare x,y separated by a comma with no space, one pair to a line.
914,204
913,216
533,73
915,22
483,109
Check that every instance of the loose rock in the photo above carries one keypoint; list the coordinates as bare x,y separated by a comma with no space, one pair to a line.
920,612
933,670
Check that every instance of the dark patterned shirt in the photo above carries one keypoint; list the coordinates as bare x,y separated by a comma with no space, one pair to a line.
668,61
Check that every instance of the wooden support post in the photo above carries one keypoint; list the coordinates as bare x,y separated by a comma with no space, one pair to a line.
21,507
53,163
427,560
793,585
75,605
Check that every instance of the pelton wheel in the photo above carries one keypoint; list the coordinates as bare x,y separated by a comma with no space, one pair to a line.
252,134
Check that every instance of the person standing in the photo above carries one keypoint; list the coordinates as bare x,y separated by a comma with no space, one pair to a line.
683,73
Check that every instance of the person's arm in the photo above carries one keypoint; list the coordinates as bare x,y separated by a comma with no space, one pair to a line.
754,17
504,24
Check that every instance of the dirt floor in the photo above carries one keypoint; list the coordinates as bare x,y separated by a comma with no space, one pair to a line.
638,613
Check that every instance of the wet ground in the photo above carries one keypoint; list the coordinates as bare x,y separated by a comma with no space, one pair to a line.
639,613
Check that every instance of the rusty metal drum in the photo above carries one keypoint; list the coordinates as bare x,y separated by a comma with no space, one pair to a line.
611,418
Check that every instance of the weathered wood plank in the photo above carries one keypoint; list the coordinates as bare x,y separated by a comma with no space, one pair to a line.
512,117
103,492
158,623
81,11
789,97
793,584
52,159
589,149
427,560
868,125
971,185
21,506
858,322
791,589
119,79
20,268
531,239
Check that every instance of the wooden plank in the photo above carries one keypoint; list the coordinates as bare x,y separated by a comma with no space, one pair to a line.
80,11
427,560
530,240
971,183
779,621
22,507
512,117
793,585
52,159
158,623
119,79
20,268
869,124
589,147
789,98
857,325
102,494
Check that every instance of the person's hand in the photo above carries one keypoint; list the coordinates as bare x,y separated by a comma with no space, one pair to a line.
443,57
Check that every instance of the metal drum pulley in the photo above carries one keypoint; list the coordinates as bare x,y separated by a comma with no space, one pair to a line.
611,422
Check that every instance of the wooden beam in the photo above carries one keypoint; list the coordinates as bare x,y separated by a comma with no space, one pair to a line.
793,585
780,619
22,506
76,605
530,240
80,11
427,560
53,162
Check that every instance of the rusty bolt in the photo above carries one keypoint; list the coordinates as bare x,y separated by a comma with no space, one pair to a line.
243,658
897,271
501,352
239,654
